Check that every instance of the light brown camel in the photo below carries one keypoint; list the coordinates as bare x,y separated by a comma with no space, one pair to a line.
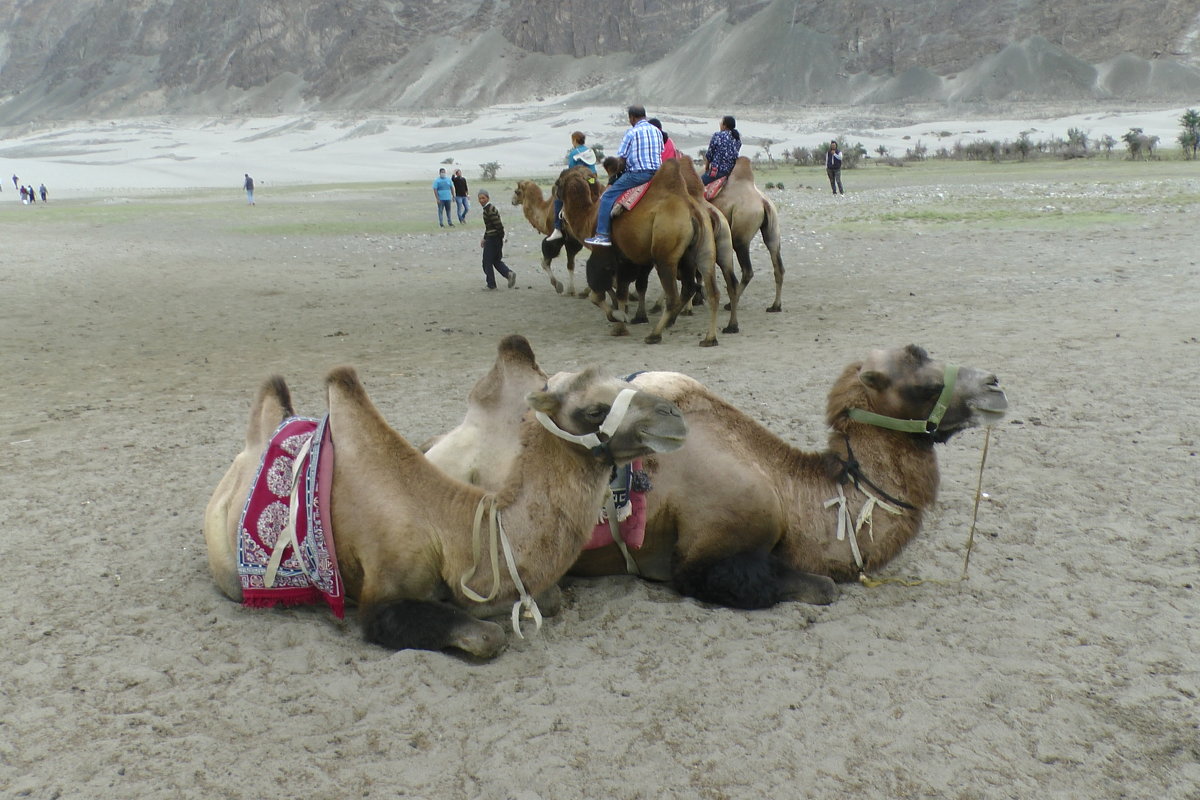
539,211
668,230
403,528
739,517
751,212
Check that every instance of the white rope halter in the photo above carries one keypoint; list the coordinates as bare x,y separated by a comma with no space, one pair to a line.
592,441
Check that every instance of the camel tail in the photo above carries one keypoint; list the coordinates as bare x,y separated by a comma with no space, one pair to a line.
770,233
272,405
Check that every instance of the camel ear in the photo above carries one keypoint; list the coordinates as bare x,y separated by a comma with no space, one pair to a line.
545,402
874,380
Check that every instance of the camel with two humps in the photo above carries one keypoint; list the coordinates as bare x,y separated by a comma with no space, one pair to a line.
738,517
404,528
668,231
539,211
750,212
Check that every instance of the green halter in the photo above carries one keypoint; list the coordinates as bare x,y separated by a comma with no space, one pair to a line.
928,425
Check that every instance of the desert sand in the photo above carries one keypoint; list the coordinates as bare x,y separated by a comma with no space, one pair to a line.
136,324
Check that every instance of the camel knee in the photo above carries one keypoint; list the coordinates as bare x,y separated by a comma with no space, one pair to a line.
427,625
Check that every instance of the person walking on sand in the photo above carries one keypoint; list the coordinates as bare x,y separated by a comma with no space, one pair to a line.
248,185
641,147
15,179
443,193
493,244
42,191
833,167
462,199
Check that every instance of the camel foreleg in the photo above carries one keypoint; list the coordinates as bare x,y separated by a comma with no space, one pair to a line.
573,247
619,327
549,251
751,579
430,625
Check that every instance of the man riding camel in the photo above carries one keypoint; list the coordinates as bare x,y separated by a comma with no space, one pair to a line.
641,147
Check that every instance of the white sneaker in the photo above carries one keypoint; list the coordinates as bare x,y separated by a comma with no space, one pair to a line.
555,235
599,240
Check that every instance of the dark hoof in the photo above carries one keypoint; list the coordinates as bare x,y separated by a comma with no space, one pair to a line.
653,339
730,329
709,342
774,308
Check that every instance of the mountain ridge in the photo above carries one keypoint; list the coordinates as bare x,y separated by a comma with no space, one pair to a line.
65,59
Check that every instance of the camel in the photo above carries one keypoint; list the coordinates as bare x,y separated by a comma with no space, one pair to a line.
749,212
539,211
740,518
668,230
404,529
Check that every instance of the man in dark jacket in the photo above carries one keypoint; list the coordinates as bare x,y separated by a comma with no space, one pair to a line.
493,244
833,167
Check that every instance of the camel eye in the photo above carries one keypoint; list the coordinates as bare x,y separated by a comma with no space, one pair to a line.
929,391
596,413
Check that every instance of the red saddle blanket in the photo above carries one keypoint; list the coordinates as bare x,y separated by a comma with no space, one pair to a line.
713,189
629,493
630,197
306,569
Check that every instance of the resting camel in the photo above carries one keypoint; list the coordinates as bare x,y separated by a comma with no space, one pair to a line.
403,528
750,212
740,518
539,210
668,230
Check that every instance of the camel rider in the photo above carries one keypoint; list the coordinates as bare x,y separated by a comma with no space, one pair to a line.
579,155
641,147
723,149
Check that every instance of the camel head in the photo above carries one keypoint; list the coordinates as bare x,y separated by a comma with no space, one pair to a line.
903,389
608,416
526,189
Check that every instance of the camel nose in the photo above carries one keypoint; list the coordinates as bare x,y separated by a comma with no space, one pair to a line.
668,410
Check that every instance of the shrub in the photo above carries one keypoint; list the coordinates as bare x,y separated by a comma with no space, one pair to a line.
488,171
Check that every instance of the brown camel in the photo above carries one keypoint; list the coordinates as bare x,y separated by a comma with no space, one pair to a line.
668,230
404,529
738,517
539,211
751,212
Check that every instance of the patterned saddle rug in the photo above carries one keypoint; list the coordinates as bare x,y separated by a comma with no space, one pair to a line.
629,488
630,197
285,545
713,189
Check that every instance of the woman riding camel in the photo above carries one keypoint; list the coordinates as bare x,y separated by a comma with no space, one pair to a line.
669,150
723,149
579,155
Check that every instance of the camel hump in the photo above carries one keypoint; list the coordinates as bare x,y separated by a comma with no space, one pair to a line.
742,171
272,405
516,347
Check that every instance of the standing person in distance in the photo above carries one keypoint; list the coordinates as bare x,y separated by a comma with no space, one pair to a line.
248,185
723,150
641,147
493,244
443,193
462,200
833,167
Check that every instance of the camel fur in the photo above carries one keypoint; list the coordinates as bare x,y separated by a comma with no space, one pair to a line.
539,211
738,517
403,528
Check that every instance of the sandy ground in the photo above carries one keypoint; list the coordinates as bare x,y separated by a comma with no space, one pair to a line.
134,331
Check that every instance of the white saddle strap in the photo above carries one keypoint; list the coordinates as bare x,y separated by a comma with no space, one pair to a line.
497,542
288,535
614,527
848,527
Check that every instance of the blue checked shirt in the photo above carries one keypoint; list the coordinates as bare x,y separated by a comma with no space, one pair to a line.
641,147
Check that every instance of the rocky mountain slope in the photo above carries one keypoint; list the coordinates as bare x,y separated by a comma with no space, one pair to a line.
70,58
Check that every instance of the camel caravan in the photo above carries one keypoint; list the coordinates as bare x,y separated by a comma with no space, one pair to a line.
528,488
673,225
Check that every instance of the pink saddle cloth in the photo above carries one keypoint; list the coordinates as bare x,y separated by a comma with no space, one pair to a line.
629,493
307,572
713,189
630,197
